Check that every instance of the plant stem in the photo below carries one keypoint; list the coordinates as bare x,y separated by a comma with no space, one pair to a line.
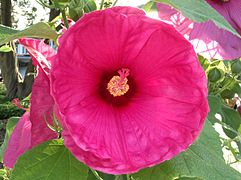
115,3
128,177
102,4
96,174
65,18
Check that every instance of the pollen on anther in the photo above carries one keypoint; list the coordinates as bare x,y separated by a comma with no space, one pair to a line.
117,85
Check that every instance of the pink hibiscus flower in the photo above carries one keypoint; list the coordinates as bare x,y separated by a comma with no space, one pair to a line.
32,128
209,40
130,90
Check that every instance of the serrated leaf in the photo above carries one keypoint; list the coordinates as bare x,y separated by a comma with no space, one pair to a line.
50,160
9,129
203,160
200,11
39,30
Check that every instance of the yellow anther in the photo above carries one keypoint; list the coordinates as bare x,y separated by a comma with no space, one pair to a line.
118,86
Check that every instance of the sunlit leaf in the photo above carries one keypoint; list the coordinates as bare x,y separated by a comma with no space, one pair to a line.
203,160
200,11
50,160
39,30
9,129
6,48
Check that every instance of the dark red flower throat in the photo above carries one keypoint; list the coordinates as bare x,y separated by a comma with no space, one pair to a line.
117,88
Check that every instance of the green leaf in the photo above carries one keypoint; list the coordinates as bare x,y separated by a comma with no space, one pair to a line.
215,74
6,48
9,129
78,8
148,6
101,176
204,62
189,178
231,118
236,66
215,105
200,11
89,6
121,177
39,30
232,89
3,174
49,161
202,160
91,176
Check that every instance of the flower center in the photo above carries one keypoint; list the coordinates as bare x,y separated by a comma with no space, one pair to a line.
118,86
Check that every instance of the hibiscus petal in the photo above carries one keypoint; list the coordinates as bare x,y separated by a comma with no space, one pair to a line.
19,142
42,103
117,33
127,10
162,116
40,52
209,40
41,110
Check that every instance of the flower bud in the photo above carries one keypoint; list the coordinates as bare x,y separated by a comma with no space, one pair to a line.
215,74
236,67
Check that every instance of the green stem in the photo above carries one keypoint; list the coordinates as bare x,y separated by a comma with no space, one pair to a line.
232,150
96,174
102,4
226,86
115,3
65,18
128,177
42,3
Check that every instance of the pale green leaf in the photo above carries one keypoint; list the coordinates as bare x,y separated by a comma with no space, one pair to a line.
49,161
215,106
148,6
9,129
203,160
39,30
229,118
6,48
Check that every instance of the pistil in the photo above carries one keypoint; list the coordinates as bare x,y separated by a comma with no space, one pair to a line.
117,85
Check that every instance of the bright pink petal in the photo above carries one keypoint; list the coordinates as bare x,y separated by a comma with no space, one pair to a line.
40,52
17,103
42,103
161,114
41,110
32,128
127,10
125,32
170,15
19,142
209,40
